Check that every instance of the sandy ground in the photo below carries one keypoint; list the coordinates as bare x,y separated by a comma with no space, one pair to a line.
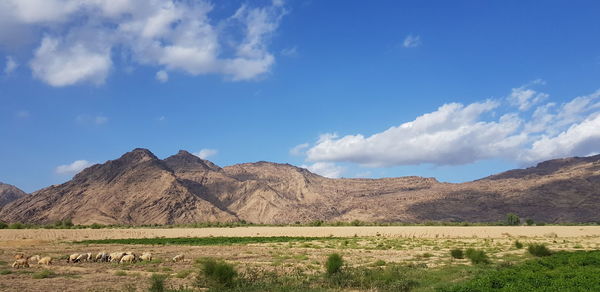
419,245
346,231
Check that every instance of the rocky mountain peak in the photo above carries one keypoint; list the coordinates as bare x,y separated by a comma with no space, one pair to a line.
186,161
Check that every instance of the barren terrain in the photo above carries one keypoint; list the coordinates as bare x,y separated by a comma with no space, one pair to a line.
426,246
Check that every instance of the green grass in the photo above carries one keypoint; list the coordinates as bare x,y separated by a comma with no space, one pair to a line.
43,274
563,271
120,273
199,241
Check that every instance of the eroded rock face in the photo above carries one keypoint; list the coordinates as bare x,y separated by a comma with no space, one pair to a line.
138,188
9,193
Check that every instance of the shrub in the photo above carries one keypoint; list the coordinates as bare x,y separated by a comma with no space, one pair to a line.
379,263
157,283
529,222
120,273
16,225
334,263
457,253
512,219
43,274
477,256
539,250
218,273
518,244
3,225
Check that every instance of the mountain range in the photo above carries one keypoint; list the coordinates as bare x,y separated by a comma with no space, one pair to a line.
139,188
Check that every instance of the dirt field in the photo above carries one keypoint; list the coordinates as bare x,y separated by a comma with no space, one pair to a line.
427,246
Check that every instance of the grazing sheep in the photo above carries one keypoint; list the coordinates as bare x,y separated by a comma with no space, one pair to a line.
146,256
34,258
20,263
81,257
105,258
116,256
19,256
45,261
129,258
73,258
88,257
102,257
178,258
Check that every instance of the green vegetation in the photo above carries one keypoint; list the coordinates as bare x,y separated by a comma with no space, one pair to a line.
204,240
563,271
512,219
334,264
457,253
477,256
538,250
3,225
216,273
518,244
43,274
529,222
120,273
5,272
157,283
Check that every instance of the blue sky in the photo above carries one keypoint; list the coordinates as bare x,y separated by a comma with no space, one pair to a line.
456,90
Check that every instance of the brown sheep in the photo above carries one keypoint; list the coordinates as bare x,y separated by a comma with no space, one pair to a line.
73,258
20,263
128,258
178,258
146,256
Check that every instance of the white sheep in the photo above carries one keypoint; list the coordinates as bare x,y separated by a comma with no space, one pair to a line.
178,258
20,263
116,256
34,258
81,257
146,256
88,257
129,258
102,256
45,261
73,258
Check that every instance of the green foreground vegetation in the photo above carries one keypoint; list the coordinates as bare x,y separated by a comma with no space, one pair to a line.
562,271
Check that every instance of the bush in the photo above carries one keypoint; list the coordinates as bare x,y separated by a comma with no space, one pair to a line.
529,222
217,273
157,283
539,250
16,225
518,244
3,225
512,219
477,256
457,253
334,263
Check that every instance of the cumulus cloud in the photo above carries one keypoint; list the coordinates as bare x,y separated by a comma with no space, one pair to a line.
326,169
162,76
460,134
411,41
11,65
73,168
77,39
524,97
206,153
299,150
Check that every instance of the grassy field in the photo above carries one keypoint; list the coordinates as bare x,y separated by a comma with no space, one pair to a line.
383,260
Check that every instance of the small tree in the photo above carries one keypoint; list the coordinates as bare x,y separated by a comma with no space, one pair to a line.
334,263
529,222
512,219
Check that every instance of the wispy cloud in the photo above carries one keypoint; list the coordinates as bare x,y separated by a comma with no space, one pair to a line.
300,149
92,119
78,39
206,153
162,76
290,52
460,134
411,41
11,65
73,168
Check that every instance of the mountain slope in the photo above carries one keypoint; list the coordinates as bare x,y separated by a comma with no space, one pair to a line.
139,188
9,193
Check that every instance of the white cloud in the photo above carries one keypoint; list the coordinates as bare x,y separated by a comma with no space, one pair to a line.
299,150
206,153
73,168
461,134
290,52
326,169
524,97
92,120
162,76
11,65
411,41
81,36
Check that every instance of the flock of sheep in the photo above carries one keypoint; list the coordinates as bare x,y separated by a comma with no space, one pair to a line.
116,257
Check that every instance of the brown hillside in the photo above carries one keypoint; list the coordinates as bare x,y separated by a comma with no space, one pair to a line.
9,193
139,188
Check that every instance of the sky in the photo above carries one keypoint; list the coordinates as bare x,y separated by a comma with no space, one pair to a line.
456,90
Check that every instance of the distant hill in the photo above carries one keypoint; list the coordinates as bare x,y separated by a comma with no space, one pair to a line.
9,193
138,188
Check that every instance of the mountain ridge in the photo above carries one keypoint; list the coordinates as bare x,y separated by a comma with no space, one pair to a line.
139,188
